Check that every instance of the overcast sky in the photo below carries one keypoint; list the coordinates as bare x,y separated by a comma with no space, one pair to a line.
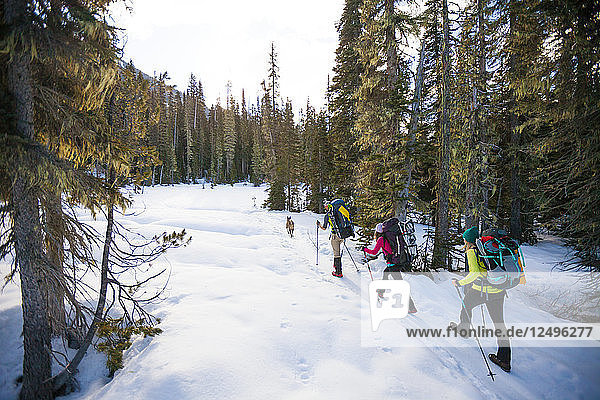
230,40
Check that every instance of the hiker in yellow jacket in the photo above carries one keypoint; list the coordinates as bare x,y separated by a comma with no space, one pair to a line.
477,292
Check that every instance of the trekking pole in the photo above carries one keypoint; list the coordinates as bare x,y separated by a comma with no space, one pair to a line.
482,317
311,241
317,244
350,254
491,374
368,266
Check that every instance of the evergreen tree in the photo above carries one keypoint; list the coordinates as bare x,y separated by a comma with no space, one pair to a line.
382,111
165,146
317,158
246,140
270,127
346,82
51,52
557,97
229,138
171,136
258,168
273,78
291,157
437,86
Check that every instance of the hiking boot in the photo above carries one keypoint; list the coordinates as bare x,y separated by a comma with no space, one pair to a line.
502,364
337,264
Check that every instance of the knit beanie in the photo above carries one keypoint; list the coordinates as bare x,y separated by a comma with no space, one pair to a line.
471,234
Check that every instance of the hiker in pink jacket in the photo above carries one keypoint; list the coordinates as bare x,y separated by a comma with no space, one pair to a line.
381,243
392,270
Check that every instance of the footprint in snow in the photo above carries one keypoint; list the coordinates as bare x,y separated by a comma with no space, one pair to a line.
285,324
303,371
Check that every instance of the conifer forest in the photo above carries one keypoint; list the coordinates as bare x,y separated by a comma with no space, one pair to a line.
485,113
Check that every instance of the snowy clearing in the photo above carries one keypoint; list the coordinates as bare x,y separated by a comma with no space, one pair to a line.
250,316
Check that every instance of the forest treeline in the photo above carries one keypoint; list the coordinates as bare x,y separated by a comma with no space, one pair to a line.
483,115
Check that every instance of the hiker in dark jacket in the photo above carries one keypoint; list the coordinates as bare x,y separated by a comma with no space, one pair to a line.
477,292
336,241
392,270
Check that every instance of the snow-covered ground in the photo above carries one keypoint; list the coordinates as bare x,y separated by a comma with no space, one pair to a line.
250,316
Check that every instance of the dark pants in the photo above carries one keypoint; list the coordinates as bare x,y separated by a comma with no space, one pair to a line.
494,303
394,271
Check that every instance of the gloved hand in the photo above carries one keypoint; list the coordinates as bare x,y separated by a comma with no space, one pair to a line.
364,258
368,257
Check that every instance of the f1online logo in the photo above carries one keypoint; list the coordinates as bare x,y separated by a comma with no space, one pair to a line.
388,299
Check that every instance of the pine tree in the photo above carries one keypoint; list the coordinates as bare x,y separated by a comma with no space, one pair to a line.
257,174
165,147
437,67
557,96
67,56
246,139
229,135
415,115
179,138
216,128
270,127
189,128
204,134
291,156
346,82
515,196
317,158
382,111
273,78
171,135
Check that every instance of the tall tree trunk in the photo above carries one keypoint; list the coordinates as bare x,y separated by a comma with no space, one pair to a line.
55,253
473,156
391,49
515,206
414,124
440,250
515,193
66,374
470,190
479,115
273,77
26,227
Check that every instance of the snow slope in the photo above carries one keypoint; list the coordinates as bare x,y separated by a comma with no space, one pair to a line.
250,316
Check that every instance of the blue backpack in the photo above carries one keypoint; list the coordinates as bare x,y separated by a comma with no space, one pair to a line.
341,219
502,258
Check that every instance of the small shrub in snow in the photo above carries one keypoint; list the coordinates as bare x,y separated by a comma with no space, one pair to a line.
115,337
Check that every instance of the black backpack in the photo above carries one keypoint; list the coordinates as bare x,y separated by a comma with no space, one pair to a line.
341,219
502,258
393,235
